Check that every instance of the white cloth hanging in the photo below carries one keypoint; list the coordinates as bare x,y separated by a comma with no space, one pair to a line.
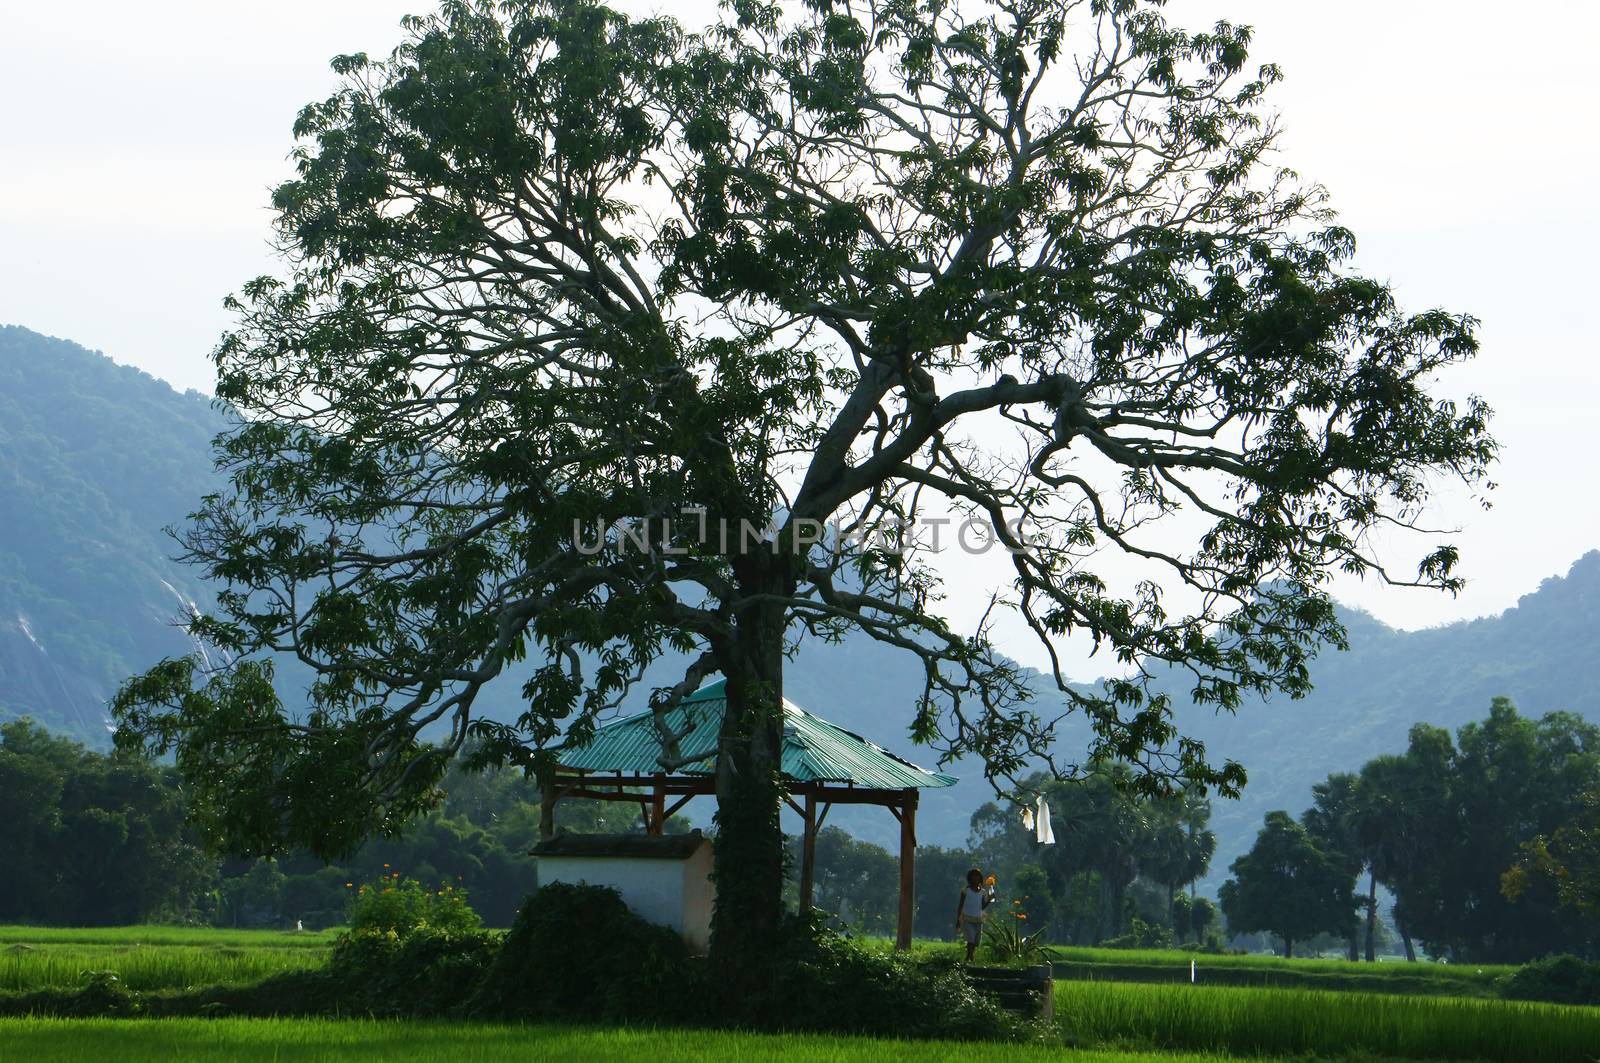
1043,832
1027,819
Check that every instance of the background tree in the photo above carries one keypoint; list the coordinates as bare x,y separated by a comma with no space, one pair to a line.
1569,859
1103,828
548,266
1287,885
1180,848
91,840
1508,779
1333,823
1390,807
858,882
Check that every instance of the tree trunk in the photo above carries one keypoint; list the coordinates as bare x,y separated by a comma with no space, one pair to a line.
749,853
1411,952
1288,948
1372,916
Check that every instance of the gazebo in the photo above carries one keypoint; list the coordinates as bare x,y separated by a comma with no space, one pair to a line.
823,765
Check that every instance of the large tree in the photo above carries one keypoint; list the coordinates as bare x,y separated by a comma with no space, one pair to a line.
1288,885
847,264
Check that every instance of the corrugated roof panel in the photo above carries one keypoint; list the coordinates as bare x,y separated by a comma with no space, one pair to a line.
814,750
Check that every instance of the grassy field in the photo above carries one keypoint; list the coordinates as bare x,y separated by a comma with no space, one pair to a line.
1172,966
1111,1014
1291,1022
135,1041
153,957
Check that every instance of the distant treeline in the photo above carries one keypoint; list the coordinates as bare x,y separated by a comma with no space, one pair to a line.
102,839
1487,841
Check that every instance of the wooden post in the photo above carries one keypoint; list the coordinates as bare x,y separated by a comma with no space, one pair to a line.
547,809
808,851
908,869
658,807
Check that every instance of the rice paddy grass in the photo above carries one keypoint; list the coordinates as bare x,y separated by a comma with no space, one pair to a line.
153,957
1172,966
248,1040
1297,1022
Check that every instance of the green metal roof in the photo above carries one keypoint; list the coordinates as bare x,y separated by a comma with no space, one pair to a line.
814,750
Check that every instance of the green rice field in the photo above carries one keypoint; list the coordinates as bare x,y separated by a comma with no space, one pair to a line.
150,958
1098,1018
1171,966
135,1041
1294,1022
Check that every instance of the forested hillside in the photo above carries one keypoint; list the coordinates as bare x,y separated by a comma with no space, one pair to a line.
96,458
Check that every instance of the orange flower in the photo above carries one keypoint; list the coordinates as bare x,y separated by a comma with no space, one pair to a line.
989,881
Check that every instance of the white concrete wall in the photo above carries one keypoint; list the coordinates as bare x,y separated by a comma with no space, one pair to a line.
699,897
652,888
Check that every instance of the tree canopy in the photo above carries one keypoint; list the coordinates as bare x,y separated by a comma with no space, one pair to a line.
755,294
1289,886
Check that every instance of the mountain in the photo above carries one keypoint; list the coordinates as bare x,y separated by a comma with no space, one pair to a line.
1543,653
96,459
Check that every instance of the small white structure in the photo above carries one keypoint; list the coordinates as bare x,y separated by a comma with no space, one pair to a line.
665,878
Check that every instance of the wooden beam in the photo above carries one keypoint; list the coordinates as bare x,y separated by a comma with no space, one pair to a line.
908,872
679,803
700,784
808,852
861,795
826,793
658,808
547,809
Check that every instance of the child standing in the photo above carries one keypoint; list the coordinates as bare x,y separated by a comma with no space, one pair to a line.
970,910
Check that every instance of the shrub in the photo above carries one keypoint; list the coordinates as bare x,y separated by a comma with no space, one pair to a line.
424,972
578,952
825,983
1558,979
1141,935
1008,938
403,905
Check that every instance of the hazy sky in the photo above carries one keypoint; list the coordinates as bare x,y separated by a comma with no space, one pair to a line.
138,141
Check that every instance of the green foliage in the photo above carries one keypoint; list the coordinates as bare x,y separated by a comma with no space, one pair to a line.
1120,854
1288,886
832,300
1010,937
91,839
855,882
1141,935
98,840
399,907
425,971
823,982
1558,979
1568,859
1446,821
578,952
